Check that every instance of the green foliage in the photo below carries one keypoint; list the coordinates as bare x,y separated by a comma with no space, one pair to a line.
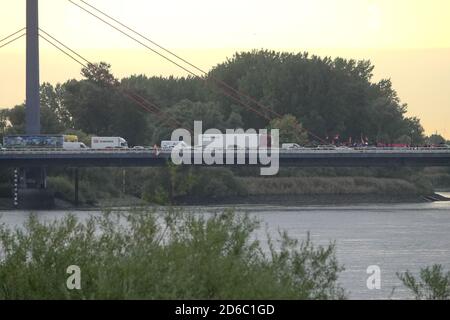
326,96
100,74
433,284
435,139
95,184
331,186
3,123
53,99
414,130
49,121
321,95
141,255
98,106
82,136
54,116
175,183
404,140
291,131
158,196
62,187
215,183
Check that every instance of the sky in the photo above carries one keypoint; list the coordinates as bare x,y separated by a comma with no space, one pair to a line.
408,41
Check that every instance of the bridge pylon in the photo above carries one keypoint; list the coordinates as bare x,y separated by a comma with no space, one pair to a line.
30,187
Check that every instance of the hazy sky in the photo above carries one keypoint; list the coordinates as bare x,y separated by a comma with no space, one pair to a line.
407,40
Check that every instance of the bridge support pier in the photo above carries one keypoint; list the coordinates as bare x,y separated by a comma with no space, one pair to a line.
76,178
30,189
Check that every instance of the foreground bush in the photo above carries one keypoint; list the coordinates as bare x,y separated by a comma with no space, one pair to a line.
143,255
433,283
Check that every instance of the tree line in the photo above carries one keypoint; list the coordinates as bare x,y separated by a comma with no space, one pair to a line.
314,97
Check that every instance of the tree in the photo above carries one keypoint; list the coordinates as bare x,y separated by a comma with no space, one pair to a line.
328,96
435,139
415,130
49,121
3,121
404,140
291,131
98,106
53,99
100,73
55,118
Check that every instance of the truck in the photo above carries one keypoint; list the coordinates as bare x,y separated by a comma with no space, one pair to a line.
70,138
235,141
43,142
101,143
33,142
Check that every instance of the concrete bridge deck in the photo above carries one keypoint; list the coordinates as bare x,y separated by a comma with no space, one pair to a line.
289,158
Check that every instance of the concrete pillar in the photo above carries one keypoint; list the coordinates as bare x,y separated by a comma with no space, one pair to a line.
33,192
77,201
33,124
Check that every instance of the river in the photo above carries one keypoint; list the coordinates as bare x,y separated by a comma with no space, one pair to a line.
395,237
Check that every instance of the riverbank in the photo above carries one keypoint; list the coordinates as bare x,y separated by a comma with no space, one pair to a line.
315,199
218,189
281,200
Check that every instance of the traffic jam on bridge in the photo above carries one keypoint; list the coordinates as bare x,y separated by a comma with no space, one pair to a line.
71,143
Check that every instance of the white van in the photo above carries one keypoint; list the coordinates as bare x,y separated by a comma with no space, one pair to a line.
74,146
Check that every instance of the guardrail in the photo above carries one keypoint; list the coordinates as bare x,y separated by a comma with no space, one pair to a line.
293,150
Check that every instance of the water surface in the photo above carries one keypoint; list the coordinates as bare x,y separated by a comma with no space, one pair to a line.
395,237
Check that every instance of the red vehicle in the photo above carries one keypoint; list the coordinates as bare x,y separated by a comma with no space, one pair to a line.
393,145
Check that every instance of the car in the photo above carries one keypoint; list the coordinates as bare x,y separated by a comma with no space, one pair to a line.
138,148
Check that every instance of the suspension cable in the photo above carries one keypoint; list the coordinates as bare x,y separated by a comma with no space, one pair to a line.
170,60
13,34
134,96
222,85
181,59
13,40
66,47
63,51
141,101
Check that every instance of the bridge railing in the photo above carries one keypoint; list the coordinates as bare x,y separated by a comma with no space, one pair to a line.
294,150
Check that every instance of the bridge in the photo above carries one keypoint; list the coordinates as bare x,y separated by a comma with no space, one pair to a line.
421,157
31,165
